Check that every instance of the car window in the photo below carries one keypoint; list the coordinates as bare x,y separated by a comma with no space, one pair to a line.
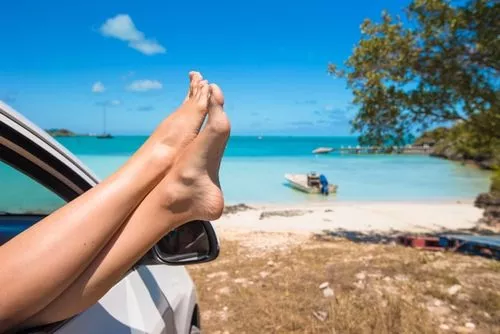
19,194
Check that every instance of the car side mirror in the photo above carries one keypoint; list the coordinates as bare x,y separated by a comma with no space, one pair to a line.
193,242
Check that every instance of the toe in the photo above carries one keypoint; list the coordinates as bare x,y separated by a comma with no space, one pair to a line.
218,121
195,85
201,97
217,98
193,79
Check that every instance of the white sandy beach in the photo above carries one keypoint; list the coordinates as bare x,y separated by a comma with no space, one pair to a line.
352,216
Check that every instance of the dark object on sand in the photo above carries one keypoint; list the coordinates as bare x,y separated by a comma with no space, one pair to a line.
487,246
422,242
228,209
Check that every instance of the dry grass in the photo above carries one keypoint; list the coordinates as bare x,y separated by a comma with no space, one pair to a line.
377,289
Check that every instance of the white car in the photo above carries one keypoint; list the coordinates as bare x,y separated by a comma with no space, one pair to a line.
38,175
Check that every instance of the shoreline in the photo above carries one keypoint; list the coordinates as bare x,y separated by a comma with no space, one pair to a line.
327,203
366,217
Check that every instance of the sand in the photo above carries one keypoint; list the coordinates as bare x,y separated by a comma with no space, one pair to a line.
351,216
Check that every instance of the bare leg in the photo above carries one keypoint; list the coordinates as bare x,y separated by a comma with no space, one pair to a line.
62,245
189,191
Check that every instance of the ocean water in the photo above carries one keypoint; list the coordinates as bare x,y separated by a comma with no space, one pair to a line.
253,168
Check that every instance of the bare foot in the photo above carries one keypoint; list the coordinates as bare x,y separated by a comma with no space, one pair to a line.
180,127
192,185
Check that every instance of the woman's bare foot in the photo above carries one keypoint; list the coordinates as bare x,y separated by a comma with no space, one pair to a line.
179,128
192,185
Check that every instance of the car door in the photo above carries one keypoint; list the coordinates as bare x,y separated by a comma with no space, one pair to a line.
37,176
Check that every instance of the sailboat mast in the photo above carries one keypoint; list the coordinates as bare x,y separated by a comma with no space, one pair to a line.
104,119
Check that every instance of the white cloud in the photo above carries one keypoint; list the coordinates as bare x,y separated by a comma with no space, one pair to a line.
329,107
98,87
115,102
123,28
144,85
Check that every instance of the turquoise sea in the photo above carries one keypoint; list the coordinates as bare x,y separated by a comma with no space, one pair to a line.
253,169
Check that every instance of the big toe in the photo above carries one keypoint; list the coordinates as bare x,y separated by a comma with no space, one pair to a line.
218,121
194,81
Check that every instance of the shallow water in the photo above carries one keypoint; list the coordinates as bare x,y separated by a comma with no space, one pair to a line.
253,172
253,169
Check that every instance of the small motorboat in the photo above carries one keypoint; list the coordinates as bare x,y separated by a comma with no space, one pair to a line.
303,183
322,150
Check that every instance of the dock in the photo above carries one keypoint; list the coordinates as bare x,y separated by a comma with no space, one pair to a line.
408,149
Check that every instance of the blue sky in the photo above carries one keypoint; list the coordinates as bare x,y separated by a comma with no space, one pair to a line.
62,60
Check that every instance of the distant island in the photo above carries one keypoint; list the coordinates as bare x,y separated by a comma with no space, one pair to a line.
61,133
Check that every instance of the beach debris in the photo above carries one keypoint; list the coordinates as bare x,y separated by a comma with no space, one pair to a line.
283,213
230,209
401,278
454,289
359,284
324,285
444,327
217,274
361,276
328,292
463,329
263,274
470,325
320,315
271,263
243,281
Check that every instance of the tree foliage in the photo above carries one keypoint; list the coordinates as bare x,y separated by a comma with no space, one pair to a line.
437,67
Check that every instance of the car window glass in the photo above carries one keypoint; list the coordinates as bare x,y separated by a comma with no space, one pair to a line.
19,194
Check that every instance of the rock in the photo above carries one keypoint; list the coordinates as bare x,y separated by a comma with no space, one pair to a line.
328,292
263,274
490,202
324,285
360,276
444,327
437,302
320,315
401,278
283,213
375,275
229,209
243,281
359,284
386,279
439,310
470,325
463,330
463,297
225,308
217,274
271,263
224,291
454,289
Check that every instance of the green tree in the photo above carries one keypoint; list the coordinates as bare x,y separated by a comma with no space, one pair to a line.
439,67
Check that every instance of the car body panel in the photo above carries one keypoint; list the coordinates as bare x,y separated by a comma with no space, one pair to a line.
149,298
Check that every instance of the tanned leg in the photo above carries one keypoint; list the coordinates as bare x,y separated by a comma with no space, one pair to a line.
42,262
189,191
